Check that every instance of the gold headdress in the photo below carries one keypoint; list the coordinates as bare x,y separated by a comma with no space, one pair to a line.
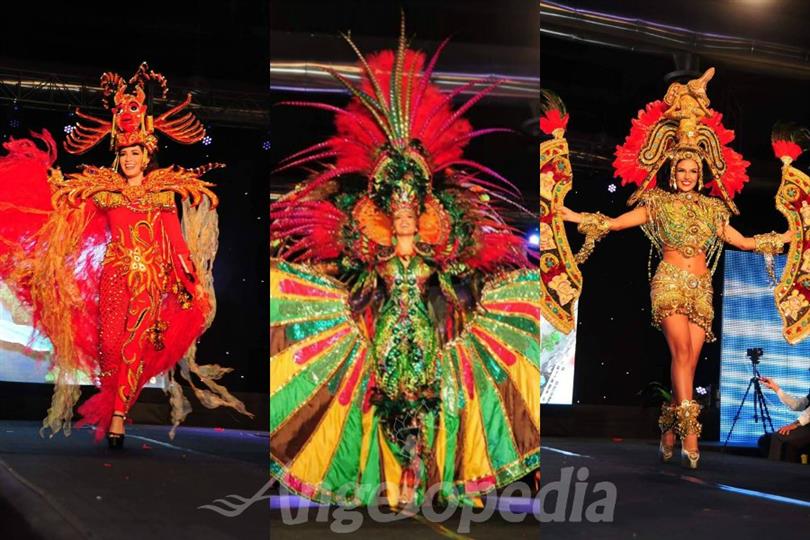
682,126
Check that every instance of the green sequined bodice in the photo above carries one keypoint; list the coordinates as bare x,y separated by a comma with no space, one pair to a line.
405,343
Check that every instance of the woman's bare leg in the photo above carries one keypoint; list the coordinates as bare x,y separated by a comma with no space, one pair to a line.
697,337
677,334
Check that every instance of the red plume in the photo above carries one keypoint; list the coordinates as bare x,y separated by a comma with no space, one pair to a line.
626,163
552,121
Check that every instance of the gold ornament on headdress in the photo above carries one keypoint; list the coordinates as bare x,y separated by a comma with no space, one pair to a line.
680,134
404,198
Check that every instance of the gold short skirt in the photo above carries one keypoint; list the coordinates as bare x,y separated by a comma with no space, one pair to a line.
678,291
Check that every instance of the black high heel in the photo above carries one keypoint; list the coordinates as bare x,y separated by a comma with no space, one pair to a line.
116,440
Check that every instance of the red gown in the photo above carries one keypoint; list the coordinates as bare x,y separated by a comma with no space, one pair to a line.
148,312
125,316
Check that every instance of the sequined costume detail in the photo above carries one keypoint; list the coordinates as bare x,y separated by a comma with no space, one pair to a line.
150,308
677,291
104,270
404,341
336,435
686,222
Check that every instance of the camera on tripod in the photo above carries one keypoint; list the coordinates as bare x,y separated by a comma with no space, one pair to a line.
755,354
761,412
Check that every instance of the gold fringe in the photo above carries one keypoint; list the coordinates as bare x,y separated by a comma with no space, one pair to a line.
216,395
48,271
200,227
66,393
179,403
201,230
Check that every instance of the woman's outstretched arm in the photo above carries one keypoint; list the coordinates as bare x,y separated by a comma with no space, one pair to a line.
748,243
633,218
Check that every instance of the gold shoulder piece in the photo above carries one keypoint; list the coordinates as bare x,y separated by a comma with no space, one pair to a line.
721,208
185,182
650,196
80,186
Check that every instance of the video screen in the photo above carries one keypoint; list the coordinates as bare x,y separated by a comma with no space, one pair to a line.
23,353
751,321
557,352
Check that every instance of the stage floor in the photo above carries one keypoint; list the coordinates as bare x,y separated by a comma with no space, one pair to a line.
65,488
729,497
360,523
212,483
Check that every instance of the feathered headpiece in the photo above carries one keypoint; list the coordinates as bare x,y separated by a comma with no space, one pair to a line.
399,132
682,126
132,120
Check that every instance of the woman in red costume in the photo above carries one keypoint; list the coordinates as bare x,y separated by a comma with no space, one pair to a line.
102,263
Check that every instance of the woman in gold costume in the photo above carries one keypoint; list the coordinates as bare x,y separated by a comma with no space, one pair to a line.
686,228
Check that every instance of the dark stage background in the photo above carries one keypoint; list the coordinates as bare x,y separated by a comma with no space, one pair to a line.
605,76
218,51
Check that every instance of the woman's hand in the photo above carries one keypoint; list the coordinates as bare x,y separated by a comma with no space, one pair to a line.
569,215
770,383
787,236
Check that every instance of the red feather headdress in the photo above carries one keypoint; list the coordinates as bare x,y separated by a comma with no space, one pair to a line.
681,125
399,131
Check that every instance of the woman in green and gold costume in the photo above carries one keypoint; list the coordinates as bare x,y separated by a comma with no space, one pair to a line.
378,386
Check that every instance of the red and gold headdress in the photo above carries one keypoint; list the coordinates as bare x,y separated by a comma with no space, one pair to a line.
681,126
132,120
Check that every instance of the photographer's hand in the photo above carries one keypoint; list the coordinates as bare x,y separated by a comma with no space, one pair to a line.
770,383
785,430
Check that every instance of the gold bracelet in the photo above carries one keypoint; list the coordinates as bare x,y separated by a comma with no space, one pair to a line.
769,243
594,226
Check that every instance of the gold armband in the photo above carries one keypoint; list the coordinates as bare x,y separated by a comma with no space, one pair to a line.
595,227
769,244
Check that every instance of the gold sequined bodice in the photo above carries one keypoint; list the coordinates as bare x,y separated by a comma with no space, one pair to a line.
686,222
137,202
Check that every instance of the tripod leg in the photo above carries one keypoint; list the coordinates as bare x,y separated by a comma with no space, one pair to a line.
739,410
764,413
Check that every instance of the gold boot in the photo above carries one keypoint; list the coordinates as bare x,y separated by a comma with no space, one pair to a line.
666,422
687,424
